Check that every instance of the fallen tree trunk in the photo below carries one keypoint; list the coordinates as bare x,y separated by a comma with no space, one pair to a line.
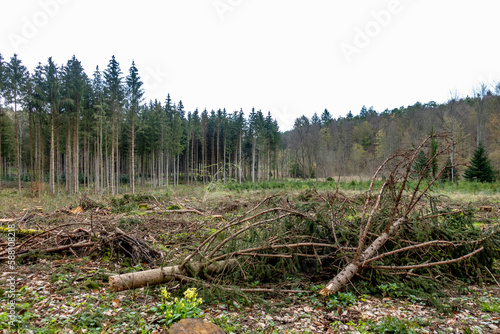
166,274
19,231
351,269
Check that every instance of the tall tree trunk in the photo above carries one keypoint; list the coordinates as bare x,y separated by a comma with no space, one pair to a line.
253,159
117,160
18,148
218,153
132,154
240,168
76,153
69,156
58,154
32,166
268,164
224,160
52,154
112,169
40,164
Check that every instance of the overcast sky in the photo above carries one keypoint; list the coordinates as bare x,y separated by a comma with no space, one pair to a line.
290,57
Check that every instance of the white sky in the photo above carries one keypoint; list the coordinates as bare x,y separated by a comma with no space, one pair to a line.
283,56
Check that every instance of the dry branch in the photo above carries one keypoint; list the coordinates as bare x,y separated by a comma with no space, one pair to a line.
427,265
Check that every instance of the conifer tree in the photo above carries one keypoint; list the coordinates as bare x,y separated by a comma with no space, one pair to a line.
135,93
16,76
420,166
114,95
53,96
480,168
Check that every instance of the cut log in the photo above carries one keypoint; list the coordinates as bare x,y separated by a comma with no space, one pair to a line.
20,231
352,268
166,274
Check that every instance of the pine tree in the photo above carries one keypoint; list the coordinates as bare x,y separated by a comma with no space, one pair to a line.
480,168
326,118
114,95
135,93
420,165
53,95
17,75
76,82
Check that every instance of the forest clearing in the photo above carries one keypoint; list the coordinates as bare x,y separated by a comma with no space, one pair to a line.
249,167
287,240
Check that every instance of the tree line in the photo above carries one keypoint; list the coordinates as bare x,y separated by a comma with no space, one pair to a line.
72,132
354,146
62,127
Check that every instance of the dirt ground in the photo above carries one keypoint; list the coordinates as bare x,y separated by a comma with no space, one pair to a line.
67,291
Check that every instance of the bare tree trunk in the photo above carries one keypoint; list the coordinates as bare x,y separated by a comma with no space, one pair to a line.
166,274
132,154
117,161
69,156
18,149
76,154
351,269
224,161
253,159
112,167
58,154
52,155
32,166
240,157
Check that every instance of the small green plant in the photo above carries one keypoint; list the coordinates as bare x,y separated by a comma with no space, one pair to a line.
391,289
177,309
174,207
490,307
393,325
341,299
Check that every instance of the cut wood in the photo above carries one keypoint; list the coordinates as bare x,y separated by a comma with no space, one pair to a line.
19,231
351,269
165,274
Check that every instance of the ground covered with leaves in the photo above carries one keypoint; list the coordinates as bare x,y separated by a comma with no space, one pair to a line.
63,288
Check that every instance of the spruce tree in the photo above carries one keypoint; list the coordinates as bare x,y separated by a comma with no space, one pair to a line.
114,92
17,76
134,93
420,165
480,168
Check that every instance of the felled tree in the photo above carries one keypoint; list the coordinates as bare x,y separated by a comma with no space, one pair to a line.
480,168
390,212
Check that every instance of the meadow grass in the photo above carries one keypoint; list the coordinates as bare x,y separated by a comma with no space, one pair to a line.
11,202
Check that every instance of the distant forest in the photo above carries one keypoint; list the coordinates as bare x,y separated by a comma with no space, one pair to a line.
71,131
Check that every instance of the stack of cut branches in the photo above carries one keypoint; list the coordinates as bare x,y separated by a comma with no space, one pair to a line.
83,240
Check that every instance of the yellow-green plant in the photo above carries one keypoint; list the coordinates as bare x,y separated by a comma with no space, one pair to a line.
177,309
